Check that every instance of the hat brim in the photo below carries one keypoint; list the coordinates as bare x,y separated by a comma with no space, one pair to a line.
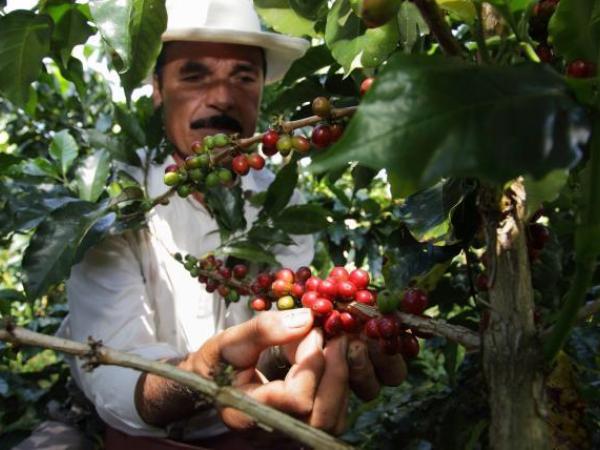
280,51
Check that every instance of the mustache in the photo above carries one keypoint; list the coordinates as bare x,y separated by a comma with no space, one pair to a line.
221,121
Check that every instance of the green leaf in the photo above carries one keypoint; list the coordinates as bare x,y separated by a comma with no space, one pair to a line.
302,219
411,25
227,206
147,23
7,162
281,189
130,125
24,41
362,176
278,15
544,190
574,29
249,252
309,9
354,46
92,175
430,117
289,98
57,244
64,150
265,235
427,213
112,19
40,167
314,59
462,9
70,29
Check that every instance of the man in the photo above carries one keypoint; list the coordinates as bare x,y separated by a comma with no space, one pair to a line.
131,293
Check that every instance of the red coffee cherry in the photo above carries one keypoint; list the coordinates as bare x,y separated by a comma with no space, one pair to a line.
333,325
196,146
339,273
387,327
322,306
260,304
223,290
581,69
211,285
285,274
414,301
371,329
256,288
240,271
240,165
366,85
312,284
349,322
337,129
364,296
321,136
264,280
297,290
346,290
255,161
409,346
545,53
281,288
309,298
301,144
303,274
269,151
270,139
225,272
327,288
360,278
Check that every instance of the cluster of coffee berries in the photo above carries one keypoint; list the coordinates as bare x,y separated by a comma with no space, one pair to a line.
200,172
393,336
538,28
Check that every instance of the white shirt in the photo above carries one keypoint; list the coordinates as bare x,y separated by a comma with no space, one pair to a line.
132,294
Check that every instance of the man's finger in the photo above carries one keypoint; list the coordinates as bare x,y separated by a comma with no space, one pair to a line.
340,426
333,387
363,380
242,344
390,369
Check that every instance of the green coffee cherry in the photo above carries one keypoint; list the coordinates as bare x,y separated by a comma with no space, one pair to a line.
209,142
225,175
212,180
172,178
184,190
196,175
221,140
232,296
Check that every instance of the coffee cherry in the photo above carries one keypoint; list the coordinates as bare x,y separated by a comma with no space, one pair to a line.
260,304
240,165
581,69
225,175
544,53
256,161
409,346
322,306
346,290
414,301
171,179
240,271
312,284
339,273
321,107
544,9
371,329
225,272
309,298
349,322
264,280
337,129
375,13
223,290
285,302
286,275
203,160
300,144
364,296
327,288
387,326
256,288
281,288
321,136
192,162
196,147
270,138
211,285
269,151
360,278
538,235
212,180
184,190
333,325
303,274
366,85
297,290
387,302
209,142
221,140
233,296
284,144
196,175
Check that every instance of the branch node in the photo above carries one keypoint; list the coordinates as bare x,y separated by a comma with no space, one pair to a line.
92,357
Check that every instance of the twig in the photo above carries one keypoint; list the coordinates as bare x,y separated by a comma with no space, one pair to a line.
439,327
439,28
164,197
224,396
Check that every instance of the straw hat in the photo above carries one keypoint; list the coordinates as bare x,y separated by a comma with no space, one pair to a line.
232,22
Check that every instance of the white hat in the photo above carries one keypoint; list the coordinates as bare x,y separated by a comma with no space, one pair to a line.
231,22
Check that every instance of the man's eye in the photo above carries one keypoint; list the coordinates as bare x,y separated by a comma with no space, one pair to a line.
192,78
248,79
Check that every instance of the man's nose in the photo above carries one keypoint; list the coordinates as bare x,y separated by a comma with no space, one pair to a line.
220,95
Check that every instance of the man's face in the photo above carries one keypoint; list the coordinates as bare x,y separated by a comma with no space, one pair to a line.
208,88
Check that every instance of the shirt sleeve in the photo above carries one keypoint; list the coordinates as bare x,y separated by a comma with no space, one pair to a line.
108,301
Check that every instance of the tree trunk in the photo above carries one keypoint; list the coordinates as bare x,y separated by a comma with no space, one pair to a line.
512,355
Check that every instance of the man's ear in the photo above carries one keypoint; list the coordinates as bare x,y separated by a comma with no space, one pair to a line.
156,95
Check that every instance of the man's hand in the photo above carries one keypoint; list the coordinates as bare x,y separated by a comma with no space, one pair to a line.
315,388
370,368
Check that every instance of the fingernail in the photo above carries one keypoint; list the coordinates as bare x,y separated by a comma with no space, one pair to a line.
297,318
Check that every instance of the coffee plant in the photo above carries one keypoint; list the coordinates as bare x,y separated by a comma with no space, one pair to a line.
448,153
